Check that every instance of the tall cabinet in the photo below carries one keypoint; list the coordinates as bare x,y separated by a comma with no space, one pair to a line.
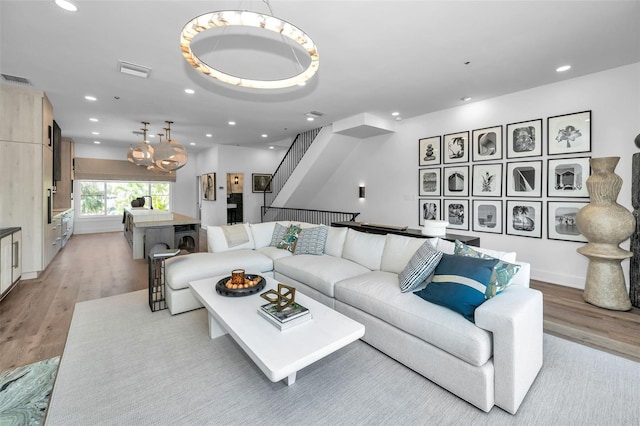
26,192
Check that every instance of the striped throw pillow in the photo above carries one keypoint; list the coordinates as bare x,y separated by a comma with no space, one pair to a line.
420,267
312,240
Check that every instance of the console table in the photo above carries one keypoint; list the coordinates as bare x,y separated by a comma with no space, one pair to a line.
417,233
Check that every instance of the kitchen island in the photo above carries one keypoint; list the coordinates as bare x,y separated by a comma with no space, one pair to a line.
145,229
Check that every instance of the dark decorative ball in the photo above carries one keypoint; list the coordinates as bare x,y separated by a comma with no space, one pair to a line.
638,140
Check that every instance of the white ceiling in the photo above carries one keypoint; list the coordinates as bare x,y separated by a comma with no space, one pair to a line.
375,57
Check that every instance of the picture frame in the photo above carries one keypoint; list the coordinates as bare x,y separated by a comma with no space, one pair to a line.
456,181
455,148
487,144
428,209
569,133
487,216
457,213
429,151
486,180
567,177
524,139
261,182
524,179
524,218
429,182
208,181
561,221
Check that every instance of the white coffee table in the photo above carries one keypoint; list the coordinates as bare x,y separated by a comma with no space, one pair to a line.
279,354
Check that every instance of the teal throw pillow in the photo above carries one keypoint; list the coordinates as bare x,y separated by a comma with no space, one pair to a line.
420,267
502,272
312,240
459,283
290,238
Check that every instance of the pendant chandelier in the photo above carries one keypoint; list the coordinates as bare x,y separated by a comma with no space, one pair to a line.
169,154
142,153
243,18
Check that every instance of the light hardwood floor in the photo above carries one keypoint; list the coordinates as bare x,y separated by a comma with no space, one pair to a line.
36,315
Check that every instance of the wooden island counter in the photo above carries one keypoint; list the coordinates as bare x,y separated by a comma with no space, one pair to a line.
145,228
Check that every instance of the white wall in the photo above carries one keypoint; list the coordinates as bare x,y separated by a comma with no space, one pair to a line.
388,165
225,159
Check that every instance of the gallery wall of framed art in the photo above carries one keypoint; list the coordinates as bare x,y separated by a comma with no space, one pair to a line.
526,178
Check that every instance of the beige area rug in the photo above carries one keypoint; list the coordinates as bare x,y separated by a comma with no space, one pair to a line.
124,365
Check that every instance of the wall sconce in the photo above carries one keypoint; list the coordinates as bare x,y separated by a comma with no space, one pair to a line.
361,192
235,180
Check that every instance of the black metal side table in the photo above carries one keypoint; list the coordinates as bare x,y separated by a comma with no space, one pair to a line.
156,260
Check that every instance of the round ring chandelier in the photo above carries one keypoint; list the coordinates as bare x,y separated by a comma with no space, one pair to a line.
224,18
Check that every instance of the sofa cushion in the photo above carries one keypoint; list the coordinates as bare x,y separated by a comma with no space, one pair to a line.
180,270
318,272
363,248
335,241
217,242
311,240
420,267
274,252
378,293
449,247
502,274
262,233
398,250
459,283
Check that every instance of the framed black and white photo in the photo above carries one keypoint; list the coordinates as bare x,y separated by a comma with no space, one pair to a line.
487,216
569,133
208,186
486,180
261,182
524,218
561,221
429,209
524,139
429,181
524,179
487,144
456,212
456,148
567,177
456,181
429,151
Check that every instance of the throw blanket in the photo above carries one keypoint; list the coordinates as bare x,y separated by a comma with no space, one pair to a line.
235,234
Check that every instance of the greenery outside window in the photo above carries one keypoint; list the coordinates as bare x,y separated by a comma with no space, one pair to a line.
110,198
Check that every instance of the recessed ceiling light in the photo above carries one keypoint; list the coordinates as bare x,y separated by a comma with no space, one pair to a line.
91,98
66,5
271,147
310,118
563,68
96,142
232,123
95,133
209,135
264,135
189,91
395,113
151,136
95,120
192,143
465,98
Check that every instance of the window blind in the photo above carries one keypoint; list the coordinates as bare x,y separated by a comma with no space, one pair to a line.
101,169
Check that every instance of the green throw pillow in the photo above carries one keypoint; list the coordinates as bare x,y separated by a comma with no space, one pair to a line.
290,238
502,272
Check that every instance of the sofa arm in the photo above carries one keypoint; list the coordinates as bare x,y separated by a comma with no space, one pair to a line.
515,319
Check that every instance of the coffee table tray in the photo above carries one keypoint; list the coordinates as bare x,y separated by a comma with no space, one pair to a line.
222,290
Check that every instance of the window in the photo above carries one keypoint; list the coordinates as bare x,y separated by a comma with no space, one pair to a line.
110,198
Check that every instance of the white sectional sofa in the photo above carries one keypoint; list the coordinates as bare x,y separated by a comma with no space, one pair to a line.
490,362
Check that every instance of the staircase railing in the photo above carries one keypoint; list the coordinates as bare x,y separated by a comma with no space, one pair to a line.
292,158
325,217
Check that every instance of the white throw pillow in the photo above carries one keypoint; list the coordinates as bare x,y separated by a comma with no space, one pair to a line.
335,241
217,242
364,249
262,233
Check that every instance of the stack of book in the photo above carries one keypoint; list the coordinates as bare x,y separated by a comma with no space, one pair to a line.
286,318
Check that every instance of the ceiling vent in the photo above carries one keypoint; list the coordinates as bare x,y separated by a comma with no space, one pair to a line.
16,80
133,69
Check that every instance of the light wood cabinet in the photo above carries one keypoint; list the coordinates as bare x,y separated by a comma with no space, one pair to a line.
26,198
64,189
10,259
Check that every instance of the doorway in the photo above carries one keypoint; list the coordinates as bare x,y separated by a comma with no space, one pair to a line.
235,184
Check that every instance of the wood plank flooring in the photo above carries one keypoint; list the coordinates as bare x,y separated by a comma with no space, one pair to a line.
35,317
